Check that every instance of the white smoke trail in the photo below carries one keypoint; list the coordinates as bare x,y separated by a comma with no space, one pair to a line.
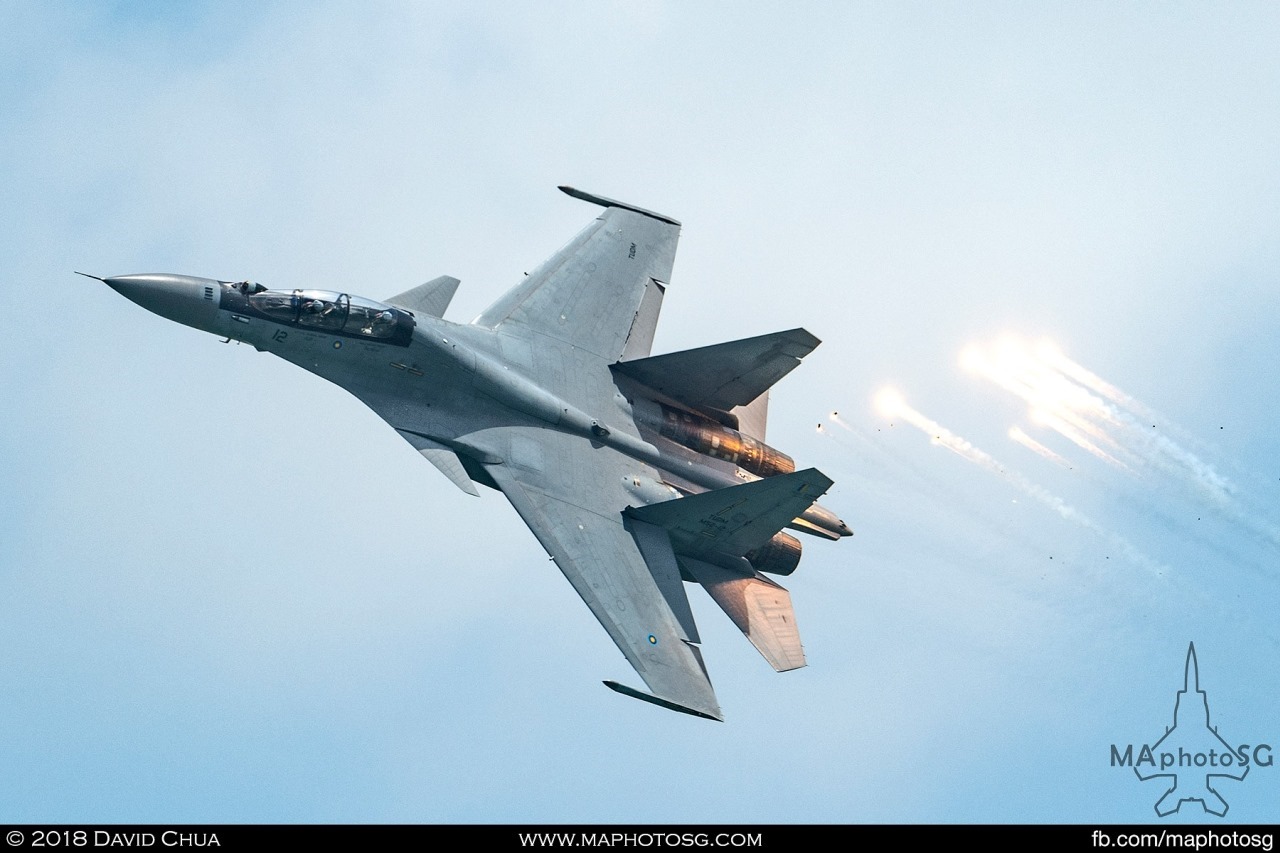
892,404
1051,356
1021,437
1099,417
1067,430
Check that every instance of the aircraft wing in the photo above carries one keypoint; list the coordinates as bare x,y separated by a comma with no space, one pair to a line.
602,291
571,493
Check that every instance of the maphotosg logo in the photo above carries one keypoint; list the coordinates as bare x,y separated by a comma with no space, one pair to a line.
1191,756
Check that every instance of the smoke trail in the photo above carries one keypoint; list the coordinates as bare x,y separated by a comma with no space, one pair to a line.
1051,356
892,404
895,473
1164,450
1053,400
1089,411
1065,429
1020,436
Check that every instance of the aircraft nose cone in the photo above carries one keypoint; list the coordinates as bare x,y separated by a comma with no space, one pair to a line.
181,298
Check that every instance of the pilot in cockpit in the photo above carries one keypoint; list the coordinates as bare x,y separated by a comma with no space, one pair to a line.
319,307
378,323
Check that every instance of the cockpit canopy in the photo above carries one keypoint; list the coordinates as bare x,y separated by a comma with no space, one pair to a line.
325,311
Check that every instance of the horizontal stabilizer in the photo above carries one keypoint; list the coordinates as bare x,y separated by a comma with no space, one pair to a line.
759,607
664,703
736,519
443,458
722,376
431,298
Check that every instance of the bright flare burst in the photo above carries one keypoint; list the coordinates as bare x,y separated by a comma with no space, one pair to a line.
1098,417
1054,400
888,402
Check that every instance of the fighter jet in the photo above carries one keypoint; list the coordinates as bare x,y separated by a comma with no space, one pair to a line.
637,473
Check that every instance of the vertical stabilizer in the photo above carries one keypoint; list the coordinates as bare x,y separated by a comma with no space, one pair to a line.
432,298
753,416
759,607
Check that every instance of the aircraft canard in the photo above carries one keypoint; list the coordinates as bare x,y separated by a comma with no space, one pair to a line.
639,474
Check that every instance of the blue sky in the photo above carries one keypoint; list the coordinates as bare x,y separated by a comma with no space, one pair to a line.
199,622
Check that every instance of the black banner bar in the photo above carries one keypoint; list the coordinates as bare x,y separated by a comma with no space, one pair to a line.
1153,837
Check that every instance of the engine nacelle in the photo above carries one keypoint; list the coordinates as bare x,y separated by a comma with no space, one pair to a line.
712,438
779,556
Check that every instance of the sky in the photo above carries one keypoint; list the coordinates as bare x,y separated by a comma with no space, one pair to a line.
229,593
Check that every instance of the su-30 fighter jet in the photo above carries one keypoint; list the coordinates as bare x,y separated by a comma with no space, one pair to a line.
637,473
